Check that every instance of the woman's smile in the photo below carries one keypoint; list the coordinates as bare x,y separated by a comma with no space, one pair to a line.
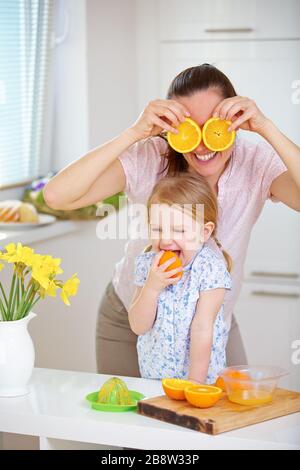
206,158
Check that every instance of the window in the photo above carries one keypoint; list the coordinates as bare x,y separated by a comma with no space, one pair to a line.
25,35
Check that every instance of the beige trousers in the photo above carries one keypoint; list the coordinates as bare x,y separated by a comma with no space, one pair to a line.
116,344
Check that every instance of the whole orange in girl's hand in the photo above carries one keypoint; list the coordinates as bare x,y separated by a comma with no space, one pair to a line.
177,263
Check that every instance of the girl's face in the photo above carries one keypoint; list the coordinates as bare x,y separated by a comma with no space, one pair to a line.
173,228
201,106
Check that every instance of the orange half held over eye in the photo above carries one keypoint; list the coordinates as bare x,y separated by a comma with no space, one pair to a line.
188,138
216,136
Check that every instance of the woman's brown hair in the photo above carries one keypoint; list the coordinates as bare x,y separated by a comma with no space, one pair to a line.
187,188
186,83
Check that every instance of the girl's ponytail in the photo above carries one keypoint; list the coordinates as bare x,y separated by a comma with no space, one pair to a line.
225,254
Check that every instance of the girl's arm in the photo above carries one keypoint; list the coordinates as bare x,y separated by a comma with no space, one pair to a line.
142,311
99,173
245,114
202,328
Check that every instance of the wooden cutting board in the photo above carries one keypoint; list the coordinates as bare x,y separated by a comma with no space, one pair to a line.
223,416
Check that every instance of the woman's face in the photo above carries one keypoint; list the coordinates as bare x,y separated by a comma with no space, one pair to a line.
201,106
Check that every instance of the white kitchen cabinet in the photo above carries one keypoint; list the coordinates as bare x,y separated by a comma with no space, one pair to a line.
274,249
234,19
269,319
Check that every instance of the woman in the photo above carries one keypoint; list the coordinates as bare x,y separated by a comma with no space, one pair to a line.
243,178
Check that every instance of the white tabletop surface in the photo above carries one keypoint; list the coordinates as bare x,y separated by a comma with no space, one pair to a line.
56,408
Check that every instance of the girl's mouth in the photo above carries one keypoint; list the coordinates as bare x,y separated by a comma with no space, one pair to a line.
176,252
205,158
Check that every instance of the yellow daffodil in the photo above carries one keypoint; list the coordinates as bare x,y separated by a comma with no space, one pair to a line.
50,291
41,276
52,264
10,252
18,254
69,288
41,271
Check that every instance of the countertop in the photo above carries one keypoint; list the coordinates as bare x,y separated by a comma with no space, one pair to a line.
56,408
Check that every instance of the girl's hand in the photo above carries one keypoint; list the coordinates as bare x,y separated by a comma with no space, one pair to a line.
158,278
160,115
243,112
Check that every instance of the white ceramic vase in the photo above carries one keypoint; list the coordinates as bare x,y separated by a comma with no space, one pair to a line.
16,357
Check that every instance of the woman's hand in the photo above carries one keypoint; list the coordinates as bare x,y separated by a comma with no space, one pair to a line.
160,115
158,278
243,112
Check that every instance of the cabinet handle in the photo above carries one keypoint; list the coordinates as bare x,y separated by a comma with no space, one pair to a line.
274,274
286,295
229,30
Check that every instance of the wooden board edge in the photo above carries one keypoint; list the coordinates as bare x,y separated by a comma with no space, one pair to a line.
186,421
205,426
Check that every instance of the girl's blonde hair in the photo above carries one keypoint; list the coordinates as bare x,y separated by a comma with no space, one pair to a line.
187,188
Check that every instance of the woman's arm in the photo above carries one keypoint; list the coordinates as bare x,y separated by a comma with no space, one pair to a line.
202,329
99,174
286,187
245,114
91,178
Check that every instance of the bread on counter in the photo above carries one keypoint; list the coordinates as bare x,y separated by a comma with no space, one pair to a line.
17,211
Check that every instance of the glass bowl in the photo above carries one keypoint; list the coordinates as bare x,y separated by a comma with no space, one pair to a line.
251,385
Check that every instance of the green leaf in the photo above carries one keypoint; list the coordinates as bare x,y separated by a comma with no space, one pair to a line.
11,293
2,309
4,296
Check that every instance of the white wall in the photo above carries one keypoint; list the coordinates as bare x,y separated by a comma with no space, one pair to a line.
112,67
95,75
70,113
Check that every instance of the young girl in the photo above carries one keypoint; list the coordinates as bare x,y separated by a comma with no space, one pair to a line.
178,314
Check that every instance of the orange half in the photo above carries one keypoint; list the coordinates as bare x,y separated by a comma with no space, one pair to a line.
188,138
203,396
177,263
174,388
216,136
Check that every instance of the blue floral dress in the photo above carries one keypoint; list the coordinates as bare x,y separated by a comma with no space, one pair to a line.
163,351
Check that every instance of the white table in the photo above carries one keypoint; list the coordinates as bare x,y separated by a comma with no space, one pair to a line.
56,411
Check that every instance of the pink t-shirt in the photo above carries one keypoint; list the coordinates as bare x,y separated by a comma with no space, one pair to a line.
243,188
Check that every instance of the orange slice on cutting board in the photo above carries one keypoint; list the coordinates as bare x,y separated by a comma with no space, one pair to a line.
174,388
216,136
203,396
177,263
188,138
